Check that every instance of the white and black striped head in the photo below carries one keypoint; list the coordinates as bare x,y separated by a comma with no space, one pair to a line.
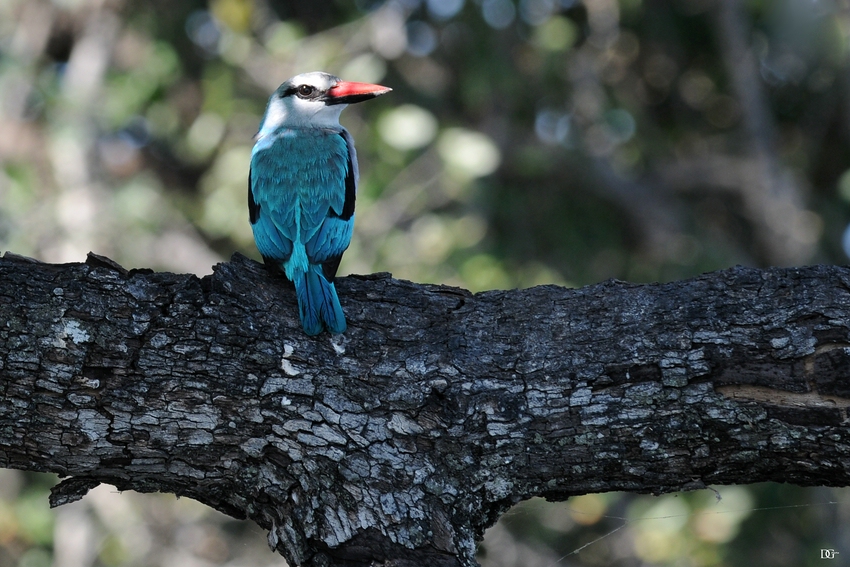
314,100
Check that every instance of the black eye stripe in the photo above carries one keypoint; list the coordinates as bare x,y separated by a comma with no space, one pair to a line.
308,92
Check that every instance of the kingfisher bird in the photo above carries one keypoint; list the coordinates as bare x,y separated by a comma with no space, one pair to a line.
301,189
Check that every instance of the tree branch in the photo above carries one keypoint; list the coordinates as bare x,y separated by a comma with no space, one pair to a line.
400,442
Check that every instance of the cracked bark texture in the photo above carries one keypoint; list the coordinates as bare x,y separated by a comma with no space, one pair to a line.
400,442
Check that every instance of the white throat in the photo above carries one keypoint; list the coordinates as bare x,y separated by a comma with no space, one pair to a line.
294,112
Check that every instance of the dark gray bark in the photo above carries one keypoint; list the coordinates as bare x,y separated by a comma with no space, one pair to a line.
401,441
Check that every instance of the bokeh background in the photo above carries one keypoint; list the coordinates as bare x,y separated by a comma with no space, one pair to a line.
525,142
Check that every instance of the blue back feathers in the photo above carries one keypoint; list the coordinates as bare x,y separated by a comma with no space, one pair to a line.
301,205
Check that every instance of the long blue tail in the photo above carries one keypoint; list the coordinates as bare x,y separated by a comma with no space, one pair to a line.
318,304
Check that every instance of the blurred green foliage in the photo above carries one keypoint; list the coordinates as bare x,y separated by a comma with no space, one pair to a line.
763,524
525,142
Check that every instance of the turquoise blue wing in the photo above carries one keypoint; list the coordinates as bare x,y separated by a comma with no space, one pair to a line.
298,176
332,238
272,243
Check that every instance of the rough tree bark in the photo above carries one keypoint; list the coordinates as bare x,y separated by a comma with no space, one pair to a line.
400,442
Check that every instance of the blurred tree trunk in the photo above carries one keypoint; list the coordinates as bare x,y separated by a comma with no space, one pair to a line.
772,197
400,442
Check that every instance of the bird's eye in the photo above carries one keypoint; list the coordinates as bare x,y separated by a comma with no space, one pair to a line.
305,91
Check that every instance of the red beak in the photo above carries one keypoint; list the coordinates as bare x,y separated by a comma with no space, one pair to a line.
346,92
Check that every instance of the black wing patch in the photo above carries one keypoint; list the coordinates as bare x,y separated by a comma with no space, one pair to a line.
330,266
350,190
273,265
253,207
